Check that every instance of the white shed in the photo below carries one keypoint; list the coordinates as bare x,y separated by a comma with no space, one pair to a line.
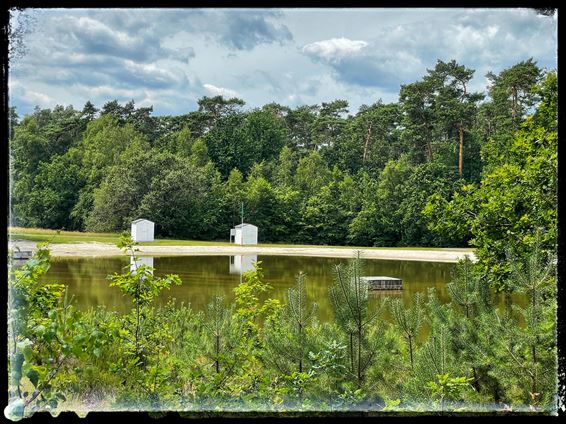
243,234
142,230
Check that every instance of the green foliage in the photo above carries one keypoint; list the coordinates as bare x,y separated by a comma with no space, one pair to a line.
157,185
448,388
55,193
287,339
36,141
42,329
139,118
512,95
140,283
258,354
467,289
223,338
437,142
145,338
515,199
171,190
380,215
249,307
409,320
349,296
368,140
326,214
260,206
531,346
311,175
391,210
239,140
286,166
104,143
450,218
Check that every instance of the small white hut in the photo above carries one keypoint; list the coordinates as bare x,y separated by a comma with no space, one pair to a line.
243,234
142,230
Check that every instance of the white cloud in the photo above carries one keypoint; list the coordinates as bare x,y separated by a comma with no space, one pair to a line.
401,53
184,54
334,49
39,98
220,91
292,57
31,96
92,27
107,90
492,30
153,73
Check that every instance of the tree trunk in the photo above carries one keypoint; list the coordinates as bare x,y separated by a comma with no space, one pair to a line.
138,325
476,382
534,346
217,348
300,335
461,156
514,103
429,151
411,350
367,144
352,352
359,357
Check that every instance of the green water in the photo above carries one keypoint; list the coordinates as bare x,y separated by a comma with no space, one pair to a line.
206,276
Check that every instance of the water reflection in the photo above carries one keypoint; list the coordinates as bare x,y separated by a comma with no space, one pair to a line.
242,263
382,293
141,260
206,276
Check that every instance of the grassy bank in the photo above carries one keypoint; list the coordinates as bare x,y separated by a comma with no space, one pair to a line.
57,237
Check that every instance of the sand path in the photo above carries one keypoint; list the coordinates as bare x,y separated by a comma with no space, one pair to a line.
94,249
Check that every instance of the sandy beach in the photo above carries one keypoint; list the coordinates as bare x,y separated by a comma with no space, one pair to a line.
94,249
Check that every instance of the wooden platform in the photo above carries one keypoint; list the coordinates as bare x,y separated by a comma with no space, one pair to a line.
22,254
383,283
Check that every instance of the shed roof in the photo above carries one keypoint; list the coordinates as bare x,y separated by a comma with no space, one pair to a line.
244,225
382,278
140,220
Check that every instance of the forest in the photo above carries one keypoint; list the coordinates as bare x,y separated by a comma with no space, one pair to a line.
442,167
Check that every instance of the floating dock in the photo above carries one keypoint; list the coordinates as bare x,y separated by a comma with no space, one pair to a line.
22,254
383,283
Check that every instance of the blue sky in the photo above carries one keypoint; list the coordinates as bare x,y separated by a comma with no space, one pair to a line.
169,58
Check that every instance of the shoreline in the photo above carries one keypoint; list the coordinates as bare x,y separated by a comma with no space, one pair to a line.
97,249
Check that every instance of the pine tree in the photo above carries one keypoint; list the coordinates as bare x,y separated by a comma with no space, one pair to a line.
409,320
287,339
221,332
434,356
530,349
349,296
473,309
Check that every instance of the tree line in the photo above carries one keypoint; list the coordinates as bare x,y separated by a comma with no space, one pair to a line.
428,170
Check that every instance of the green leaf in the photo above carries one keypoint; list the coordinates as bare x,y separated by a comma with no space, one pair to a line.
25,347
33,376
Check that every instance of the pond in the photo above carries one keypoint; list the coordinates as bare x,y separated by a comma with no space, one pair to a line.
206,276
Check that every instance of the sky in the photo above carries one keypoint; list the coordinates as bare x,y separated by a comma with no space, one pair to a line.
170,58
